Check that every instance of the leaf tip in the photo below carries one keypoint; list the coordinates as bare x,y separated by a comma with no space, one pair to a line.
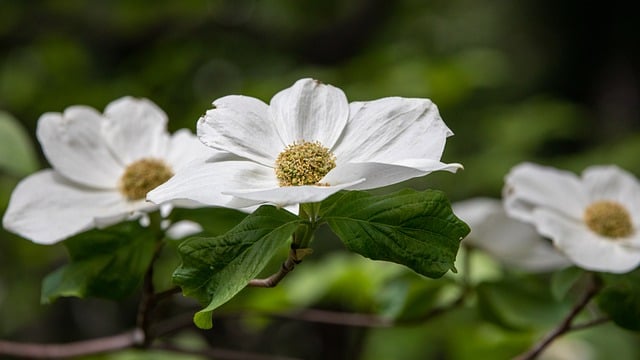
203,320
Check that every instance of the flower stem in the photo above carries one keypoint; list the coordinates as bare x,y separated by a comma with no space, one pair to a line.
294,258
303,236
565,326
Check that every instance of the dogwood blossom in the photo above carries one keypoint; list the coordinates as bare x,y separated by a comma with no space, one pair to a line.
103,165
593,219
512,242
307,144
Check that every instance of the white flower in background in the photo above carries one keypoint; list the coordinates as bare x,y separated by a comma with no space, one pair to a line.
307,144
102,168
512,242
594,220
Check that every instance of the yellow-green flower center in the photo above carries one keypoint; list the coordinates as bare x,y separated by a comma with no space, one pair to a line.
608,218
304,163
143,176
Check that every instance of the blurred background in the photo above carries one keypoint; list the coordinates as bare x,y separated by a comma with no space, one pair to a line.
556,83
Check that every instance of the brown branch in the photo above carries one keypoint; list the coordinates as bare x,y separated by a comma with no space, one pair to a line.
171,325
130,339
340,317
294,258
335,318
565,326
59,351
167,293
148,298
137,338
219,354
589,324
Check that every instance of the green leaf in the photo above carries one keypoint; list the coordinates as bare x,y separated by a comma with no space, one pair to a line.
17,155
108,263
620,299
415,229
214,269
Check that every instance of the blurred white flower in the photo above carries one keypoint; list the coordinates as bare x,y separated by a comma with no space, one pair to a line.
102,168
594,220
182,229
307,144
512,242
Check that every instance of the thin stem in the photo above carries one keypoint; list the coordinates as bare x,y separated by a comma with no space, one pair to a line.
589,324
59,351
136,337
167,293
122,341
148,298
351,319
301,239
303,236
293,259
565,326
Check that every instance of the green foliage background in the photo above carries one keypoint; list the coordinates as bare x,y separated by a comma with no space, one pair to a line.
519,81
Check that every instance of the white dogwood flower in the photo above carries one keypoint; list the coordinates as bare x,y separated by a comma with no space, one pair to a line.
307,144
594,220
102,168
510,241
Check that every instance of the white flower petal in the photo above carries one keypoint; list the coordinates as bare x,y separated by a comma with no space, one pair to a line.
614,183
241,125
185,147
203,181
46,208
429,165
135,129
582,246
310,110
512,242
285,196
182,229
372,175
74,146
391,129
528,186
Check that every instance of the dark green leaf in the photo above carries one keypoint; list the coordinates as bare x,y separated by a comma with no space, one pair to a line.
214,269
620,299
108,263
415,229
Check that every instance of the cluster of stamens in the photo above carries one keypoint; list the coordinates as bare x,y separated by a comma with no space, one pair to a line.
303,163
142,176
609,219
